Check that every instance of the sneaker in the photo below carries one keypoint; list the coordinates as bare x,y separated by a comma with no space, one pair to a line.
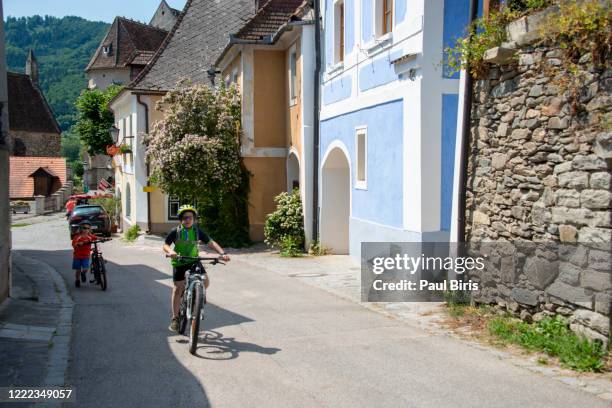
77,283
174,324
83,279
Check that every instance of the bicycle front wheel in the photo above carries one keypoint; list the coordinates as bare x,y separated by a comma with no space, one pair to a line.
102,274
195,318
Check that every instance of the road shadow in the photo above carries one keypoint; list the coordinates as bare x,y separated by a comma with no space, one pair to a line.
122,351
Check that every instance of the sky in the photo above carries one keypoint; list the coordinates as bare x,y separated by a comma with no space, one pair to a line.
95,10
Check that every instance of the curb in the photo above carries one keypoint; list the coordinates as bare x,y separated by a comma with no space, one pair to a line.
53,291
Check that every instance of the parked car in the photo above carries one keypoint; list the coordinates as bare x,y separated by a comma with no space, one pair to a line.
95,214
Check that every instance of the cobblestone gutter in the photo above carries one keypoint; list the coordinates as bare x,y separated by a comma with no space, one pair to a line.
539,171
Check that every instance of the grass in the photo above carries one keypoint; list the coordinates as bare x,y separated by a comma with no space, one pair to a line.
552,336
18,225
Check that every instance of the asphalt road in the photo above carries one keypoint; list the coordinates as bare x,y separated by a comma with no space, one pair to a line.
268,340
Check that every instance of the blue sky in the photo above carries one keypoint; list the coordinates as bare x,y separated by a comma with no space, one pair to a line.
105,10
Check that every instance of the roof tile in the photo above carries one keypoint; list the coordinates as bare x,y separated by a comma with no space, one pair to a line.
21,185
28,108
194,43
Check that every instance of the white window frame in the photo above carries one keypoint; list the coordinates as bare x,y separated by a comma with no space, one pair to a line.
293,86
378,24
361,184
338,58
169,201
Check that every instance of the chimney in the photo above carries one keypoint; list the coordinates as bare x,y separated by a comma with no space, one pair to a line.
31,68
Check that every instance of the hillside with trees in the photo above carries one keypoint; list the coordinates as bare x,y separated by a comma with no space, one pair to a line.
63,47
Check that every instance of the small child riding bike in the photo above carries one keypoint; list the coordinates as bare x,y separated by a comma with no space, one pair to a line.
82,252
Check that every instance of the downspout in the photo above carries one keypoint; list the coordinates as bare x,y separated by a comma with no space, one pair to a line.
316,107
146,118
465,140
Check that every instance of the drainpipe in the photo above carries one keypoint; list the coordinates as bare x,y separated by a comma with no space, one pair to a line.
146,118
459,236
316,108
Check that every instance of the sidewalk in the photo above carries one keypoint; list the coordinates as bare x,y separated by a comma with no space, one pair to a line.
35,326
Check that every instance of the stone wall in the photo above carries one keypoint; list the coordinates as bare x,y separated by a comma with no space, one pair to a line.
539,172
37,143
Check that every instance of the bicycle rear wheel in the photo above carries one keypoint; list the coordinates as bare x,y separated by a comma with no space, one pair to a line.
195,318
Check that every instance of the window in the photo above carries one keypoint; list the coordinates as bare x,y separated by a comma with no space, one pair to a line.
128,201
292,76
107,49
339,32
383,17
361,146
387,16
173,206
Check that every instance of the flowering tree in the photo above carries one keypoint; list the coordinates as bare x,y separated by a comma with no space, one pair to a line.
194,154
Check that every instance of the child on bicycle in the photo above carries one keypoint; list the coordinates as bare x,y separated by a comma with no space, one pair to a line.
82,251
185,239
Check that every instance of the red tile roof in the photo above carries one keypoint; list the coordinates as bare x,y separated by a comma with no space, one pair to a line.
21,185
270,18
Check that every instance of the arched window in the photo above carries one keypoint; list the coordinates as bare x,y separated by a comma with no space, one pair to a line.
128,200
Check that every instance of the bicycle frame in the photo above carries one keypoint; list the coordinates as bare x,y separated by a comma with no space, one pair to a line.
196,276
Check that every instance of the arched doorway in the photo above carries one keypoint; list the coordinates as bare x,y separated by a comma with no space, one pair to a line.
335,201
293,172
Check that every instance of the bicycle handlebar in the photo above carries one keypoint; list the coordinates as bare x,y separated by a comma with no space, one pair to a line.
214,259
97,241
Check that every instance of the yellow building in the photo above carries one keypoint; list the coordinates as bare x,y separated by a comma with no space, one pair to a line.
271,59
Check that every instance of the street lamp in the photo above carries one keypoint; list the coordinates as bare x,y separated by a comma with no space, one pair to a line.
114,133
85,185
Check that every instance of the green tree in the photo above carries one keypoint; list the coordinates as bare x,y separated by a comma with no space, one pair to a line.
71,146
95,118
63,47
77,168
194,153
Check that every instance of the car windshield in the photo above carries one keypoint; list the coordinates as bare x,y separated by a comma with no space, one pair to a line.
88,210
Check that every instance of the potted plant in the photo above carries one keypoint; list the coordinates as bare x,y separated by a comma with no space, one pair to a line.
20,206
125,149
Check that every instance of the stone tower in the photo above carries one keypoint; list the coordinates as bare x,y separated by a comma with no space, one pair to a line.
31,68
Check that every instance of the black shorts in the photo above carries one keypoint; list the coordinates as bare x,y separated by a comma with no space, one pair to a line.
178,272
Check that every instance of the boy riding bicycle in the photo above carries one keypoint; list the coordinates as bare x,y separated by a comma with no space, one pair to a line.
185,238
82,251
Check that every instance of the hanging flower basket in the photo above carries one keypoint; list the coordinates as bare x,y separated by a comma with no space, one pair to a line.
112,150
124,149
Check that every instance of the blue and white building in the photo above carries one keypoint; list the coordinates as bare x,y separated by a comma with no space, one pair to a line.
388,121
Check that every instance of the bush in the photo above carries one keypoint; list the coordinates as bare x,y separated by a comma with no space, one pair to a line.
291,247
284,228
552,336
112,205
316,249
132,233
